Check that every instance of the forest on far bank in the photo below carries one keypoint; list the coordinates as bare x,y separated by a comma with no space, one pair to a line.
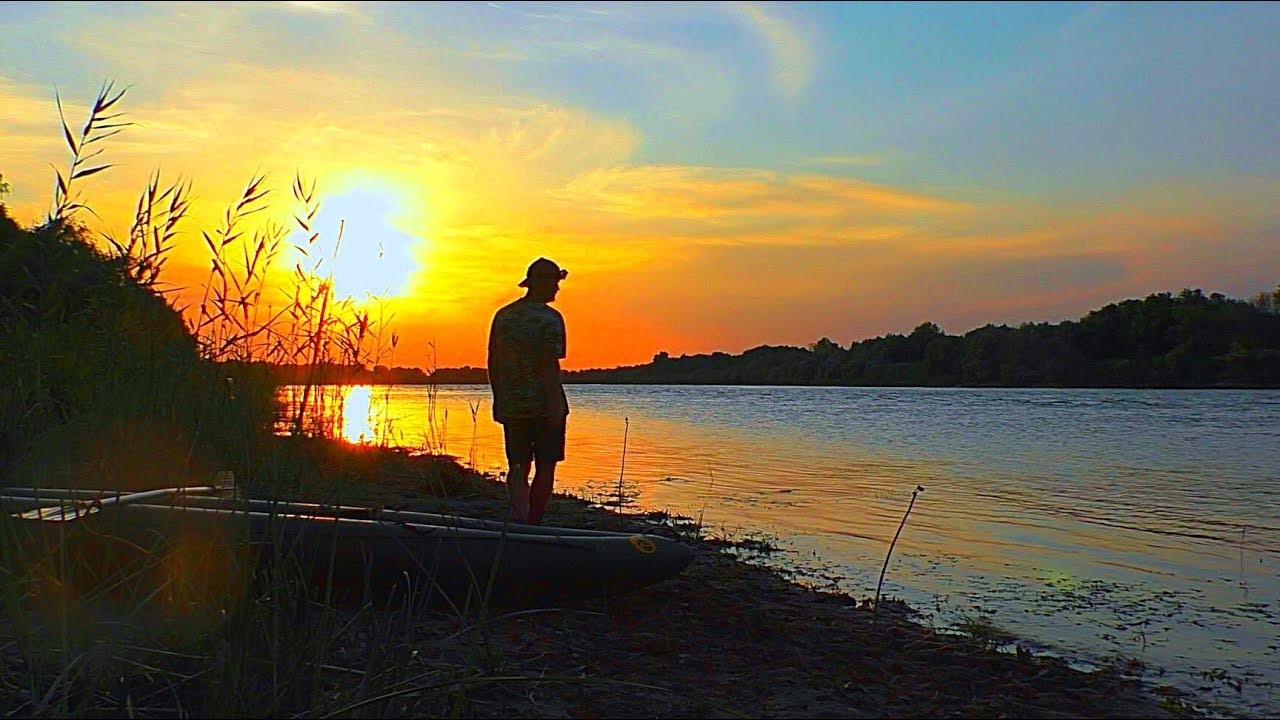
1184,340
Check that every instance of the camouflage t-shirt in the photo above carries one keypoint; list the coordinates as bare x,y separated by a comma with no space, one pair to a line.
523,334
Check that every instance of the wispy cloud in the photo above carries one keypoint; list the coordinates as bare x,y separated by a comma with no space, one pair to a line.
793,54
332,7
745,198
846,160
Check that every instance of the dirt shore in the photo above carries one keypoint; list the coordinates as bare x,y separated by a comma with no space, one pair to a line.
730,638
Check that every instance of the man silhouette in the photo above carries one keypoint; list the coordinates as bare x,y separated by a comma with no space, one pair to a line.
526,343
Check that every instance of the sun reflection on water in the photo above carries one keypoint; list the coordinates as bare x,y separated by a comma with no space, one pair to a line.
357,414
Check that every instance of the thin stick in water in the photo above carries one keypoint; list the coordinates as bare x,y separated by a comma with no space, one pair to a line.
875,611
626,429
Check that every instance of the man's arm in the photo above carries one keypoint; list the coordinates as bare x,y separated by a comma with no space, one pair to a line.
553,350
550,367
491,364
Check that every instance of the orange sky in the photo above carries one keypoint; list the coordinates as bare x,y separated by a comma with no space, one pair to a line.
452,176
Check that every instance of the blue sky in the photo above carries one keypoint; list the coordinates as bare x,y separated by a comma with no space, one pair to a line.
963,163
1044,93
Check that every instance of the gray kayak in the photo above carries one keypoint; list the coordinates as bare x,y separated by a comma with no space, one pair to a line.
29,496
361,554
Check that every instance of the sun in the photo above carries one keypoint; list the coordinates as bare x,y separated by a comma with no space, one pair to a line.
376,256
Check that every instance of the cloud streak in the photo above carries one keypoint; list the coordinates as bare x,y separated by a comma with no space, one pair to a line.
734,196
322,8
846,161
792,53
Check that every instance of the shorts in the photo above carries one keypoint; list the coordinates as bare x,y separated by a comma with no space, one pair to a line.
537,439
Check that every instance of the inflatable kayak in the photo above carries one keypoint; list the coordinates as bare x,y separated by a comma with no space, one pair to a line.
350,552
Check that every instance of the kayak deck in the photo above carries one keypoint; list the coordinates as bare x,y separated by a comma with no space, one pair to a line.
355,551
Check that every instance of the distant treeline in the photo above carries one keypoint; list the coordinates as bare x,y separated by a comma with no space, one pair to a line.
338,374
1187,340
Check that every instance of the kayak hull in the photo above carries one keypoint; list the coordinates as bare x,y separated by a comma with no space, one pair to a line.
353,555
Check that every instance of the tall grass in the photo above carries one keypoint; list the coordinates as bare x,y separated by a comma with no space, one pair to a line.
94,358
435,437
110,385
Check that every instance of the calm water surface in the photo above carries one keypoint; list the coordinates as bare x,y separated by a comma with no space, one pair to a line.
1097,523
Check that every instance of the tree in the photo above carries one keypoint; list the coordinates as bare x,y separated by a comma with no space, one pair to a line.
824,348
1267,302
925,332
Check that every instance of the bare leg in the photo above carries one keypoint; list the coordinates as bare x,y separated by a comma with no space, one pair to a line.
518,485
544,479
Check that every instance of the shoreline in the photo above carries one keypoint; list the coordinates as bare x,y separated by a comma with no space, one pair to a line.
568,381
724,638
